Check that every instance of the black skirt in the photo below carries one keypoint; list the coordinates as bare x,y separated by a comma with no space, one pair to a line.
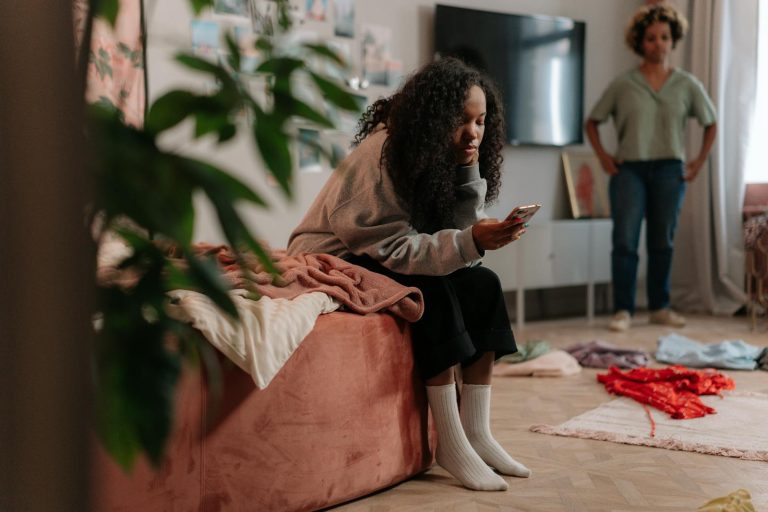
464,317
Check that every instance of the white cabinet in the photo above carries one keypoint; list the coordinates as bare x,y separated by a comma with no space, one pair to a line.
552,254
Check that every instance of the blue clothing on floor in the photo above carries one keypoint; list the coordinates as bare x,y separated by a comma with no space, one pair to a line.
732,354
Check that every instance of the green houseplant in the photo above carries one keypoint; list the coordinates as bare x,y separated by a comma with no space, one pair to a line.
139,348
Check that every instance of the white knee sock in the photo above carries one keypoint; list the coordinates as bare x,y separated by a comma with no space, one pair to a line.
454,453
475,417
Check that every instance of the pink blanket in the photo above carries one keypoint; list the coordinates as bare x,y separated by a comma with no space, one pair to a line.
358,289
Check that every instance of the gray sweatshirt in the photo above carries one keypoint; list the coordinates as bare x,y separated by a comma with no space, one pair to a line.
358,212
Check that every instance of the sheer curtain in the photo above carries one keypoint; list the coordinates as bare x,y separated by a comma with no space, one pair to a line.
757,162
708,270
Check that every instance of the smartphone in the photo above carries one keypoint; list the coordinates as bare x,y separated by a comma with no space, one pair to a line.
524,212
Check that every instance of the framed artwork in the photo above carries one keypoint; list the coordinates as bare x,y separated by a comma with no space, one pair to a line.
231,7
246,42
587,185
374,45
309,151
344,11
205,37
317,10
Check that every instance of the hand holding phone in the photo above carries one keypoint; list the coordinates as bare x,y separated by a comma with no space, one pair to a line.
524,213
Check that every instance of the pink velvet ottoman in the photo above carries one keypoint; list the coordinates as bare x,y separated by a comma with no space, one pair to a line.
345,417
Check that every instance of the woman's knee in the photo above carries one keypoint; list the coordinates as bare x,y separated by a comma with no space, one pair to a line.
626,235
661,237
487,275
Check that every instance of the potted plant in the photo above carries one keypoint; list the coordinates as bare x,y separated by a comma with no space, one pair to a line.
144,195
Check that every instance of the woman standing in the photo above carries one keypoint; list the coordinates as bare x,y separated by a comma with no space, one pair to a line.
408,202
650,105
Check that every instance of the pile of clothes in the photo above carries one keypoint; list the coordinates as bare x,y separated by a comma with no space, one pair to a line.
537,359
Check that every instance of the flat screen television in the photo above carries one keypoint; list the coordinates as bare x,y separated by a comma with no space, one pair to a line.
537,62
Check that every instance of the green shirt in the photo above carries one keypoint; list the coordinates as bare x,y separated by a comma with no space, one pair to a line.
651,124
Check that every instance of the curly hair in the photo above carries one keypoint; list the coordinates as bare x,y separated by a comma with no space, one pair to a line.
421,118
650,14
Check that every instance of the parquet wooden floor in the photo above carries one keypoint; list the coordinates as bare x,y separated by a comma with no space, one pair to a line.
578,475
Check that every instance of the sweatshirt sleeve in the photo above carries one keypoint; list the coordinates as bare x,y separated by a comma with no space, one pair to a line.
372,222
470,196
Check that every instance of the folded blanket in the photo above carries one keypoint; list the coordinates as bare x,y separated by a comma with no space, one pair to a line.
736,355
531,350
268,332
552,364
271,328
600,354
356,288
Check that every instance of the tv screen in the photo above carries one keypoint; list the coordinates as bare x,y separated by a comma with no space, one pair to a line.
537,62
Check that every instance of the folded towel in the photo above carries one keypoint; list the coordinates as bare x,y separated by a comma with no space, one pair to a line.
552,364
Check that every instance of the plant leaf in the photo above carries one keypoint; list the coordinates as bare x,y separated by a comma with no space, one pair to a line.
226,82
135,372
199,5
296,107
335,93
227,131
108,9
273,145
207,275
169,110
197,63
239,236
280,66
178,279
206,122
234,52
323,51
213,181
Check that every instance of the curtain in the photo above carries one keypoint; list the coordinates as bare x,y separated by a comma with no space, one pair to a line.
116,63
708,269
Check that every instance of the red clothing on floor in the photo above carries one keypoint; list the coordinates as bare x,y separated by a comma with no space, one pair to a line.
674,390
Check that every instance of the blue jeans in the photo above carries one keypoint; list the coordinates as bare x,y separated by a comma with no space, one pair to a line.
653,189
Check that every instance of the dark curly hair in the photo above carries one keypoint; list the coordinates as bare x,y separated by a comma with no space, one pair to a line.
650,14
421,118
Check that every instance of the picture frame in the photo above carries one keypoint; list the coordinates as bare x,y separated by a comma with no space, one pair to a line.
235,8
375,53
344,18
587,185
317,10
308,147
205,38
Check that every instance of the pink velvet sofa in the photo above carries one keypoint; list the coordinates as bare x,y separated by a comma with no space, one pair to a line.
345,417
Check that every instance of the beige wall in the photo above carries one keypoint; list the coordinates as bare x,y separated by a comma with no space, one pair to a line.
530,174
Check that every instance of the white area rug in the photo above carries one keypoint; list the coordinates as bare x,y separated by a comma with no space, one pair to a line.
739,429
